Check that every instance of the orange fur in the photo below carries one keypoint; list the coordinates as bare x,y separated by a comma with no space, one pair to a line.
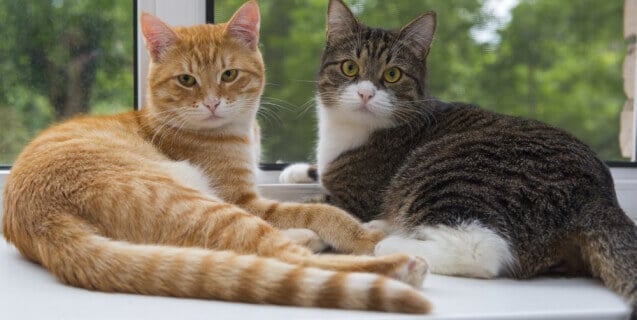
113,203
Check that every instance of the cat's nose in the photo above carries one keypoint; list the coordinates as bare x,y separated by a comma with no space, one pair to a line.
366,94
212,106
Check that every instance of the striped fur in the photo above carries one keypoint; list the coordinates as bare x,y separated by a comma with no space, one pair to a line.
163,201
533,198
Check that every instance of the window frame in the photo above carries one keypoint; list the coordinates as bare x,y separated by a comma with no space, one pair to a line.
173,13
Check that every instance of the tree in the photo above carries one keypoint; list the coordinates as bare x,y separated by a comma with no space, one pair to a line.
64,56
561,63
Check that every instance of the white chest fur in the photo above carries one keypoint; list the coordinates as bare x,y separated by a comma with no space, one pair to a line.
336,136
188,175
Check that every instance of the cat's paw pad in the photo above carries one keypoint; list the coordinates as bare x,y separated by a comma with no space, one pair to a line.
296,173
412,271
306,238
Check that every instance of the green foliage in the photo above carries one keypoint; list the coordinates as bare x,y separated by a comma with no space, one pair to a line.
61,57
561,63
557,61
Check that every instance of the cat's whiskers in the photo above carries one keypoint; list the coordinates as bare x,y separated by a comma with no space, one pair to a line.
163,118
272,84
306,81
279,103
305,107
418,107
269,115
329,97
168,119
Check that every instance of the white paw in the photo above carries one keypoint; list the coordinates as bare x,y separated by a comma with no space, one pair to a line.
306,238
389,245
382,225
296,173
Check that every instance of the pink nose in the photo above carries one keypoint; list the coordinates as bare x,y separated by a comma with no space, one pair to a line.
366,94
212,106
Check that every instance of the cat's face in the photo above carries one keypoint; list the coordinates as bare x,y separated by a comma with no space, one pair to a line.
206,76
369,76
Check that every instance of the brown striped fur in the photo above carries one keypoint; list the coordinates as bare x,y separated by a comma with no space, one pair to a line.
102,203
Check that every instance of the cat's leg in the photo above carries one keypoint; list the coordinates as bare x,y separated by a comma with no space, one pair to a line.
335,226
306,238
158,210
468,250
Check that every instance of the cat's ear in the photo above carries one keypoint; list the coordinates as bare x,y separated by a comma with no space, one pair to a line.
419,34
340,20
157,34
244,25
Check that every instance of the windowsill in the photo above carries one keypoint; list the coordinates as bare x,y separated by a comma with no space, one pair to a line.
33,293
625,185
30,292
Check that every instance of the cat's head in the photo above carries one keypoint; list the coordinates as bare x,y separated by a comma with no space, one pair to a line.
206,76
371,76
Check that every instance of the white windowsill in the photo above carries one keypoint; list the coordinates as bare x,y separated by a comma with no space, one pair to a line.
31,292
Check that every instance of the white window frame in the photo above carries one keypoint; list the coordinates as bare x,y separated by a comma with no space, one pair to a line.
633,157
177,13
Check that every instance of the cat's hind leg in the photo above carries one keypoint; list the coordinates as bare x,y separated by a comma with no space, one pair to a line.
469,250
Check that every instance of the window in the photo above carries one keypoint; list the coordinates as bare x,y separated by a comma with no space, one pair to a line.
559,62
61,58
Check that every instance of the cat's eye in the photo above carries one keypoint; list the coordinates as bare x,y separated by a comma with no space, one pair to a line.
392,74
229,75
186,80
349,68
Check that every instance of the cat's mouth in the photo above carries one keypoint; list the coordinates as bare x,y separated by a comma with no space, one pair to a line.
363,108
212,117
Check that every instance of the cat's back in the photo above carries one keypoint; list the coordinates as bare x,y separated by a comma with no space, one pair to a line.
77,141
482,136
511,164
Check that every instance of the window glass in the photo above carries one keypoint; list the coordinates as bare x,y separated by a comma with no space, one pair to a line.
61,58
557,61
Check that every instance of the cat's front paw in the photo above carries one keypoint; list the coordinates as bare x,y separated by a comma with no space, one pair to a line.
296,173
306,238
367,242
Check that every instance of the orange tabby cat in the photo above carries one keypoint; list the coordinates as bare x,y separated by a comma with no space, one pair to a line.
163,201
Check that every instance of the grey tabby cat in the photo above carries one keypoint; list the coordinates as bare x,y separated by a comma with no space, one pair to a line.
476,193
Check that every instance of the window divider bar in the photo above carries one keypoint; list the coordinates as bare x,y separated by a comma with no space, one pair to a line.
210,11
633,157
